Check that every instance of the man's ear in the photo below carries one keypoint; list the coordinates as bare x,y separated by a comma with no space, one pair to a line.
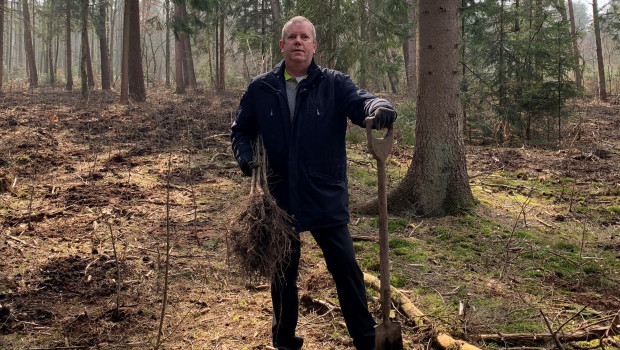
282,46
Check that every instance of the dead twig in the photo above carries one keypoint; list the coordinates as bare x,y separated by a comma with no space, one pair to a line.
164,301
118,269
20,241
512,233
554,334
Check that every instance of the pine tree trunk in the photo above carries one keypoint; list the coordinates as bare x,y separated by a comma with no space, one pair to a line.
2,6
89,64
68,73
222,68
190,74
9,64
179,49
599,52
573,32
84,54
167,58
137,90
125,55
276,16
33,78
409,52
100,29
50,53
436,182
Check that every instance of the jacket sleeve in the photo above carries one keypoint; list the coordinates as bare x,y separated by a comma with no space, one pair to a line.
244,130
358,103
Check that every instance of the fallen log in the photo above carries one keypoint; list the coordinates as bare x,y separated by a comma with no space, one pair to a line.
545,338
417,317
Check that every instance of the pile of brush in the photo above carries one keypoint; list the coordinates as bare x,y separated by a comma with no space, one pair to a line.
261,236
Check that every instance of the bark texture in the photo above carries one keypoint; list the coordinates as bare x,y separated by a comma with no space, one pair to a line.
436,182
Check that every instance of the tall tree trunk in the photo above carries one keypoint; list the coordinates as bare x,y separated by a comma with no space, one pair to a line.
409,51
9,64
113,41
83,56
222,67
167,58
89,64
573,32
100,29
50,52
436,182
68,67
2,6
599,52
125,55
137,90
33,77
364,38
188,63
276,16
502,76
179,49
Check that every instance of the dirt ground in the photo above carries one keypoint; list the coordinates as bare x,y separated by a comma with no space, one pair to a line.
92,192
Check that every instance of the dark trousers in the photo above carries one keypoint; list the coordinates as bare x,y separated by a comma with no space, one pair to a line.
337,247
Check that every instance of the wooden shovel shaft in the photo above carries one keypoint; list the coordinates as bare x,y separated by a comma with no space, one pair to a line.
384,254
380,149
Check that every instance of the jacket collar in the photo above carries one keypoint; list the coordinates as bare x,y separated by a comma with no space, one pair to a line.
276,76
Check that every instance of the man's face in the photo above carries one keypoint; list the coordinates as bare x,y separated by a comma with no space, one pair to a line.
298,46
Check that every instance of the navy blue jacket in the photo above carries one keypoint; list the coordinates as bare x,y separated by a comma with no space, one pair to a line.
307,157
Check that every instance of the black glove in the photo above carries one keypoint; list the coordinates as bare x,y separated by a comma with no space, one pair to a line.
384,117
247,166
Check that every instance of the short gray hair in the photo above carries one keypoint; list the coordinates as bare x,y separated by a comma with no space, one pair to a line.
295,20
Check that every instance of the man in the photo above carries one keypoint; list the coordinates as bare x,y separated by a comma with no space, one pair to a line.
301,110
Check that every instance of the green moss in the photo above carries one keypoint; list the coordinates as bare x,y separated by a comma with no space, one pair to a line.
397,280
614,209
394,224
524,234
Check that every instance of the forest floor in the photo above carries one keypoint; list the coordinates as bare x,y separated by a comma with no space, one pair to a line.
85,182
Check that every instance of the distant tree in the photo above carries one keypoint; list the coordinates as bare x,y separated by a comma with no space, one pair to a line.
84,51
125,55
409,50
599,52
179,51
100,29
2,6
137,90
189,75
68,73
33,77
575,47
167,58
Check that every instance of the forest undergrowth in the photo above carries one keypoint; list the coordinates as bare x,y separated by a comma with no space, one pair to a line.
93,192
